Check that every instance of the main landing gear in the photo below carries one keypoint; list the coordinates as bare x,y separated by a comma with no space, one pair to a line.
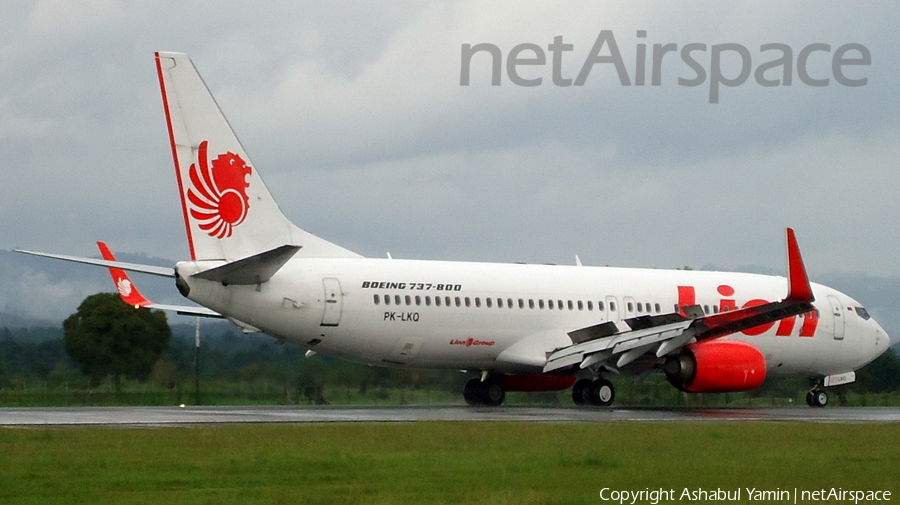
817,397
488,393
598,392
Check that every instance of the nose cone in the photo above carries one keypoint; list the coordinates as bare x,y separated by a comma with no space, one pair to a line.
881,343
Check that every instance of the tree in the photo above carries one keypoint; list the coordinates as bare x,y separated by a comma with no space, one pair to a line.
106,337
881,375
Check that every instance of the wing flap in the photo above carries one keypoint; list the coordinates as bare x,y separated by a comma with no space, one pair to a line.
601,343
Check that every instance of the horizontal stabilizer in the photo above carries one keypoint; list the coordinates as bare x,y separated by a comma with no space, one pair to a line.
131,267
254,269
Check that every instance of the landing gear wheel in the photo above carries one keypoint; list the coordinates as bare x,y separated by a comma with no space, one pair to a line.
471,392
493,394
488,393
817,398
601,393
580,392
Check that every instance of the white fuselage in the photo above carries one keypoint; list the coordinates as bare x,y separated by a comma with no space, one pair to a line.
507,317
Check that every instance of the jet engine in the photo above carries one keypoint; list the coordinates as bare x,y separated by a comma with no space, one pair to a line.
716,366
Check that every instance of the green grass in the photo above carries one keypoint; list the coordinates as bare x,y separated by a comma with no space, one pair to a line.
436,462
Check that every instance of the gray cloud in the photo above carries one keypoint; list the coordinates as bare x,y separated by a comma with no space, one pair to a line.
355,116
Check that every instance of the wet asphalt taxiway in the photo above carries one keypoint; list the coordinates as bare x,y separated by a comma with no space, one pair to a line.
176,416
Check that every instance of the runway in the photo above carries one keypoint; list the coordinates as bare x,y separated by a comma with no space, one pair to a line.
175,416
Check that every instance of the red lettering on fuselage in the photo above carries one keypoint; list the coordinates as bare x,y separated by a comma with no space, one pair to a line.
687,296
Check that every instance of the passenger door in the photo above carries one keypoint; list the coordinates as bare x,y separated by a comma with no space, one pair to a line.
333,302
837,313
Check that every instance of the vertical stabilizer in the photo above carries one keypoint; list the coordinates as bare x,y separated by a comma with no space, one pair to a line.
229,213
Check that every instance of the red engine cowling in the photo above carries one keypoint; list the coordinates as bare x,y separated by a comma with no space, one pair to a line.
535,383
716,366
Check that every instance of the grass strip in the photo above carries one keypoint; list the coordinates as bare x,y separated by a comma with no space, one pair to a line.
436,462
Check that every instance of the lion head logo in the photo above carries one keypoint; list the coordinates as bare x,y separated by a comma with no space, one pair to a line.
124,287
218,192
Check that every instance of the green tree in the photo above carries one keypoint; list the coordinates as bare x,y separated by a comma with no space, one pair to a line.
881,375
107,337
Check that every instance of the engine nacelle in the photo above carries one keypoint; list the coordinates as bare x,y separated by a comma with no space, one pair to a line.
716,366
535,383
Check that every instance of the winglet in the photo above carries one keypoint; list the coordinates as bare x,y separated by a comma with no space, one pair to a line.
127,290
798,282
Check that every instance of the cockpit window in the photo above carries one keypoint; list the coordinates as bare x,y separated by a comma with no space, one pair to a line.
863,313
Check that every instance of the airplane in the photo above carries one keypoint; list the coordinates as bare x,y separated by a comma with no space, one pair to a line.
516,327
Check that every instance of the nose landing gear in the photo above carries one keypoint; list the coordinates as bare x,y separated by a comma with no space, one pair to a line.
817,397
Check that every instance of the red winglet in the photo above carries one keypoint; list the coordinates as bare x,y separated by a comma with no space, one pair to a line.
127,290
798,282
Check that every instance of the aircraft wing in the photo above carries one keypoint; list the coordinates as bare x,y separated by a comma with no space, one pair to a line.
130,294
663,334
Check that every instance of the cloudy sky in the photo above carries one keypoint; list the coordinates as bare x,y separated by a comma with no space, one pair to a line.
354,114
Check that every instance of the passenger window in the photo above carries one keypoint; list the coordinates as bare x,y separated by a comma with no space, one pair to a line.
458,302
377,300
437,301
478,301
387,299
559,304
590,305
600,306
428,301
580,305
396,299
531,303
706,309
630,307
521,303
488,302
408,300
447,300
418,300
509,303
612,306
570,305
468,302
640,307
658,308
499,303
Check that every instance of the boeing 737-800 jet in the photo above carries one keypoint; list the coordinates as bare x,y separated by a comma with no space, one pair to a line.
516,327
